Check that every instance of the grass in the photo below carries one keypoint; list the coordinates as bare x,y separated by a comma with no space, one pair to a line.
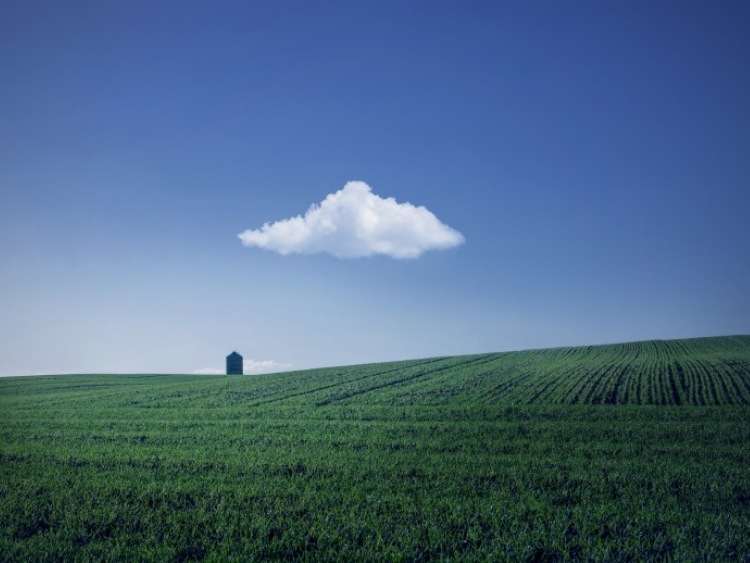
612,453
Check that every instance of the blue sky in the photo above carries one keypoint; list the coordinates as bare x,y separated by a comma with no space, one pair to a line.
593,156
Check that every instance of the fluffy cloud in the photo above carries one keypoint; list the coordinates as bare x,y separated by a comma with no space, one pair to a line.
354,222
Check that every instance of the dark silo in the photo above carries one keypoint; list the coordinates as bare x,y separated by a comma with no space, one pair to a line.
234,364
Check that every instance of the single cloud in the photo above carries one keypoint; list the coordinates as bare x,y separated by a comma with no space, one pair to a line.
209,371
249,366
264,365
354,222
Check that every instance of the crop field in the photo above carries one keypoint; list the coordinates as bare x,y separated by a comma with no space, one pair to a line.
629,452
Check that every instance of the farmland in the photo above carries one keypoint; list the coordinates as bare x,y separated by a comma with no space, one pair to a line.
636,451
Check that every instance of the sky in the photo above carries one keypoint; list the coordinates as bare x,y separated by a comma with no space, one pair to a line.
329,183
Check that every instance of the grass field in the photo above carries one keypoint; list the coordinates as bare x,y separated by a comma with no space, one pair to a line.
609,453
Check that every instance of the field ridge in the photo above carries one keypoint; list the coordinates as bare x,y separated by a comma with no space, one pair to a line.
695,371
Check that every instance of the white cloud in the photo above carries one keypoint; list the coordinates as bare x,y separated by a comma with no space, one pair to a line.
249,366
263,365
209,371
354,222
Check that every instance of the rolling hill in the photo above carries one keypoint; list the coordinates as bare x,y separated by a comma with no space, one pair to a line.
700,371
623,452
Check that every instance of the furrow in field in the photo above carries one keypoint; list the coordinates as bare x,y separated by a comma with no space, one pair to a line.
631,376
337,384
734,378
671,384
620,391
732,381
348,394
655,375
552,380
734,390
714,391
621,377
580,377
681,381
504,390
738,378
703,394
651,370
458,383
608,384
723,389
598,383
577,378
740,375
540,389
692,383
634,383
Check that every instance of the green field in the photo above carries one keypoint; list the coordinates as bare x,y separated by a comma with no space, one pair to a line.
624,452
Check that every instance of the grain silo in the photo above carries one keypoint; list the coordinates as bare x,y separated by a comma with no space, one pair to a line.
234,364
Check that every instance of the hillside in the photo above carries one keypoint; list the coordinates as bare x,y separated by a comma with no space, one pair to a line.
701,371
493,457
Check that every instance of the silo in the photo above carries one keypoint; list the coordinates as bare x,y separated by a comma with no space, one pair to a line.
234,364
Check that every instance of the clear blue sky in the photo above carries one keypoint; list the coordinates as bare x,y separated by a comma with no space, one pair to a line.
594,156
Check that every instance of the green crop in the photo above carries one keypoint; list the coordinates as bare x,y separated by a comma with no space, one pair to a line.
631,452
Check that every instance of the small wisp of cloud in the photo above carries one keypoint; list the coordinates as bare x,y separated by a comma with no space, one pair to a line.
261,366
354,222
209,371
249,366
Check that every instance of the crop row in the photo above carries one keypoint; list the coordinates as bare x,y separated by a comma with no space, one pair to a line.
690,372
